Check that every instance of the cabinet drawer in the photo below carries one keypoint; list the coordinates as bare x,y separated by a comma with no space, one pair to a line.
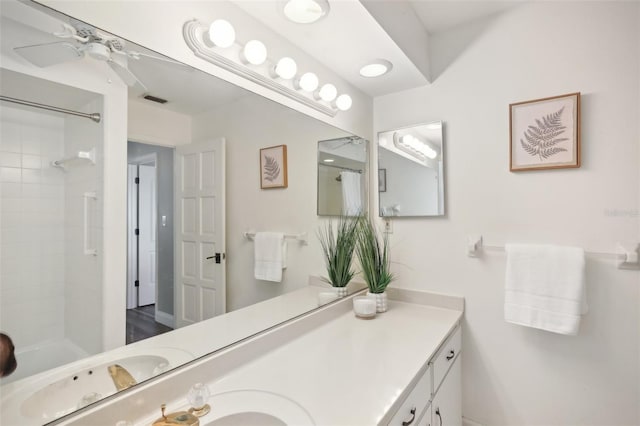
445,357
413,407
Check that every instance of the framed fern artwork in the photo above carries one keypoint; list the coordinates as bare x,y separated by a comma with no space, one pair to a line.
545,133
273,167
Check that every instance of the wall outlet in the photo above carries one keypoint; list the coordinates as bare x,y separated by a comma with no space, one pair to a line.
388,226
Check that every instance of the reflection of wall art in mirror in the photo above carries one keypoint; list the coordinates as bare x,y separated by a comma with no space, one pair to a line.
414,157
273,167
545,133
382,180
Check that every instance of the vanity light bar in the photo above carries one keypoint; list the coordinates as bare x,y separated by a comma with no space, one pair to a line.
196,34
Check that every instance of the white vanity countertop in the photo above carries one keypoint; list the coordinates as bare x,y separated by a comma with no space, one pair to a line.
350,371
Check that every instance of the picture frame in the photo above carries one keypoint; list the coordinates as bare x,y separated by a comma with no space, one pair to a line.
545,133
382,180
273,167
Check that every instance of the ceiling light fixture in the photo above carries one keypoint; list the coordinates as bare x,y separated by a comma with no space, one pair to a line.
254,52
305,11
307,82
216,44
222,33
376,68
328,92
286,68
344,102
414,146
328,160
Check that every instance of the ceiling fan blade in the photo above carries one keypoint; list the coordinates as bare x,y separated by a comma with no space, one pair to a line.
119,65
47,54
137,55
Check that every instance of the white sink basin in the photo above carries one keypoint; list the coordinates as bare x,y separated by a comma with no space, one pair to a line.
254,407
248,418
50,395
86,386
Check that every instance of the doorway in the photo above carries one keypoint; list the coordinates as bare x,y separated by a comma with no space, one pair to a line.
150,241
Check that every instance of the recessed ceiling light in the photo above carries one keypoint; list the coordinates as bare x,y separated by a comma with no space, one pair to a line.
328,160
376,68
305,11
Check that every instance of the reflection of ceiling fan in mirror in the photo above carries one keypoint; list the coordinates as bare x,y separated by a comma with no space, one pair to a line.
83,40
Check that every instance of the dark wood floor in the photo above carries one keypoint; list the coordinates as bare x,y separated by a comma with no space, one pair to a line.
141,324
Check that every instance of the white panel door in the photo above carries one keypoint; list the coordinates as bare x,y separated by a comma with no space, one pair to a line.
200,288
147,215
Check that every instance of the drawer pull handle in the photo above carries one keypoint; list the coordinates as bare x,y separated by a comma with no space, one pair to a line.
451,355
413,417
439,416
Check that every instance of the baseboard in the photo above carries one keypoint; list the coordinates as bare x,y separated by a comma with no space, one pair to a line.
469,422
165,319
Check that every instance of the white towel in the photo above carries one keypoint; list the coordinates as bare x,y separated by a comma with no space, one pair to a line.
351,193
270,256
545,287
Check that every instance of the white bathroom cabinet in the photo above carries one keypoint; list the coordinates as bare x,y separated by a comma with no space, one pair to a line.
436,398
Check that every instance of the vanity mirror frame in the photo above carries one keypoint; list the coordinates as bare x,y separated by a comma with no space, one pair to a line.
440,173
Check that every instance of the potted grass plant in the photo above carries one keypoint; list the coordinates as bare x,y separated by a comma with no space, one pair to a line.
373,254
338,247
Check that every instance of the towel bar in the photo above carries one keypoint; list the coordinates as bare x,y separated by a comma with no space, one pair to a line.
627,258
302,237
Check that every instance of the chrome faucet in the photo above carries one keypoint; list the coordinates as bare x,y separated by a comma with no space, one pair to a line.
122,379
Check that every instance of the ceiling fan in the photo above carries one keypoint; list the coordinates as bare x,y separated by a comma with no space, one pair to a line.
83,40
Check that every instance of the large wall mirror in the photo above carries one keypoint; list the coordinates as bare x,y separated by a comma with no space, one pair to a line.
411,171
54,300
342,176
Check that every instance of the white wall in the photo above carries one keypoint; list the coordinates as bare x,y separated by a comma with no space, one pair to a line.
516,375
148,123
249,124
32,193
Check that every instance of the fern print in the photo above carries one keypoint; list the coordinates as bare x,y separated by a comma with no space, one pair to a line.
541,139
271,168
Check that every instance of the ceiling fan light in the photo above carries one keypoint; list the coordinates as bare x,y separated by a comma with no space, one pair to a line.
308,82
328,92
286,68
254,52
305,11
222,33
344,102
376,68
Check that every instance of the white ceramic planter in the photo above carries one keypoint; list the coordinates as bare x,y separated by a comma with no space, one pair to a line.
340,291
381,301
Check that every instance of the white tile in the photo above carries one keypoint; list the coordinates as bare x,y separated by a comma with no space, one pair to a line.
10,174
31,176
10,137
10,159
10,190
31,140
31,190
31,161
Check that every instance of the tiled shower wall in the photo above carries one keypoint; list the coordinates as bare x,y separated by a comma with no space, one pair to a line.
32,204
83,273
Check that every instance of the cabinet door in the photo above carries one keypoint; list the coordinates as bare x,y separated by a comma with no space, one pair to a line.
446,407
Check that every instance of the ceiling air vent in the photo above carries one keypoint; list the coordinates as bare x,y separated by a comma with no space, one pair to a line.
155,99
